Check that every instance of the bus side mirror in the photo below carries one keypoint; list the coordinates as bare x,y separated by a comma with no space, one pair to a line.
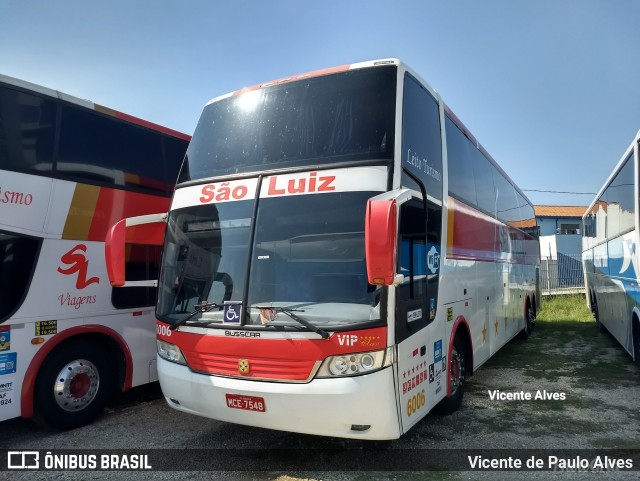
380,237
114,253
144,229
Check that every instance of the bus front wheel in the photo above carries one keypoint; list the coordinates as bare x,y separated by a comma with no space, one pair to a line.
456,373
73,386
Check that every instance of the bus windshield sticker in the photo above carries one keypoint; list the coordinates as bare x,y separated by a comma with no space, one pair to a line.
232,312
267,314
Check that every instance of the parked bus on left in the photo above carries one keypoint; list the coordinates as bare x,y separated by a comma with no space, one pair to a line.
69,169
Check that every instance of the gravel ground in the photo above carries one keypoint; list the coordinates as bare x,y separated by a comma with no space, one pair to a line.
601,411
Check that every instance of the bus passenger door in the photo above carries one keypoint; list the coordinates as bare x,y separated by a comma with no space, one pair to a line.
420,348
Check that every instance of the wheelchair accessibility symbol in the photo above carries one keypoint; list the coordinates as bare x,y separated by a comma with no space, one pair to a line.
232,312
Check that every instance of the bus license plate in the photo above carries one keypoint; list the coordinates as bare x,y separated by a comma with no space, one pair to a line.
248,403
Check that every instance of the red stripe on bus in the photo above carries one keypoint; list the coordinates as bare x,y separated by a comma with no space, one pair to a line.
475,236
473,232
151,125
282,359
293,78
114,205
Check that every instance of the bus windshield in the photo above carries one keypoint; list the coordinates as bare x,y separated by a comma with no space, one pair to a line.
321,120
307,256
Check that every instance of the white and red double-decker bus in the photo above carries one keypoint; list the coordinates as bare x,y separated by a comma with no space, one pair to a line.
340,255
69,169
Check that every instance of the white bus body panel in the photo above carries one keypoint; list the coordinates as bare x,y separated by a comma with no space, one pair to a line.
326,407
54,296
25,202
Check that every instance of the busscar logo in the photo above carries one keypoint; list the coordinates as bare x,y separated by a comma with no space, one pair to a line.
23,460
78,263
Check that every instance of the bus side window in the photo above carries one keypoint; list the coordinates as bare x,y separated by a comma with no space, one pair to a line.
413,250
412,255
412,238
88,153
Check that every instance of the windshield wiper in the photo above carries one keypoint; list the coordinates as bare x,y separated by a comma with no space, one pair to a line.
204,306
290,312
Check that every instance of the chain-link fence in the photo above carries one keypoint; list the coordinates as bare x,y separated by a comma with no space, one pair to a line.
561,275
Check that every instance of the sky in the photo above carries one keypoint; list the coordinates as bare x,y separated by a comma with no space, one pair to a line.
551,88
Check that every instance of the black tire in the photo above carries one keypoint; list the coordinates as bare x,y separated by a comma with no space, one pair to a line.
530,318
456,372
635,330
596,315
73,386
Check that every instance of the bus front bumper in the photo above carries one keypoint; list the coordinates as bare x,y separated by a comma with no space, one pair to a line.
360,407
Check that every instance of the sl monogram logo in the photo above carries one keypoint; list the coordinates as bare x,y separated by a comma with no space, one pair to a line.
243,366
77,262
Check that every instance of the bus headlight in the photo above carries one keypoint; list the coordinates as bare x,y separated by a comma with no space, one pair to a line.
356,363
170,352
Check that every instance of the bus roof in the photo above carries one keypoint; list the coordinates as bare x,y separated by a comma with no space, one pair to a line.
314,73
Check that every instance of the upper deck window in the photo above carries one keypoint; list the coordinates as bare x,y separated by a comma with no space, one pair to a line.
341,117
27,131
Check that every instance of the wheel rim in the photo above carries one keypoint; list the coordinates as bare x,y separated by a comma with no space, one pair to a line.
76,385
456,371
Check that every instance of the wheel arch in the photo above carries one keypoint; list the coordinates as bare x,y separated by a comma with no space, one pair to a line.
112,341
460,327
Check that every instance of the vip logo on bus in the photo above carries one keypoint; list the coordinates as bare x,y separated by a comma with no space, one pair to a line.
78,264
347,339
